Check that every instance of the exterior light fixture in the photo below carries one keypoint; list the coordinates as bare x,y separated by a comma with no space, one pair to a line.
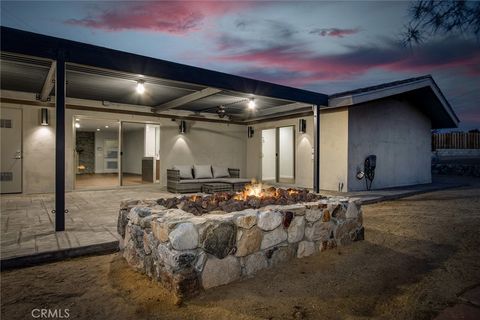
221,112
44,117
251,104
250,132
77,124
182,128
140,86
302,126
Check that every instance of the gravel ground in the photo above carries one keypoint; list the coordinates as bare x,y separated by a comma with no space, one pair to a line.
419,253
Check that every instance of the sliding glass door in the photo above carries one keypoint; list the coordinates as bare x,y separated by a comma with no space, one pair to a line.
109,153
140,145
97,153
278,154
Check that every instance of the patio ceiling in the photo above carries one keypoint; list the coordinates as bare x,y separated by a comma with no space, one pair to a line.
168,86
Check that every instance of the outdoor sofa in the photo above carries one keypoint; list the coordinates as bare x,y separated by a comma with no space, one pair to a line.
190,179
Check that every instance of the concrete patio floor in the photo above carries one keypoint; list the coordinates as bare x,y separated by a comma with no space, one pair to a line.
27,224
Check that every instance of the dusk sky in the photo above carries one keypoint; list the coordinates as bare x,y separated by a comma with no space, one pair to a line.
325,47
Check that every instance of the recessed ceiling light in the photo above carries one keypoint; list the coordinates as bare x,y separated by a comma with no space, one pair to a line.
140,86
251,104
106,126
98,129
77,125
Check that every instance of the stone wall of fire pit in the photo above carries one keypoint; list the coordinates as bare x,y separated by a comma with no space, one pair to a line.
187,253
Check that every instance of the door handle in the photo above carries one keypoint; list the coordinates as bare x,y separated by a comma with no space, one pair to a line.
18,155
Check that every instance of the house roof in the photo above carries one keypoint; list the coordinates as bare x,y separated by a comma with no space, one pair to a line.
422,92
104,74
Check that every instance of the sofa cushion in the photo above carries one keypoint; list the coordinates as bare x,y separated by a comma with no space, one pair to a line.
220,172
234,180
185,171
199,181
202,171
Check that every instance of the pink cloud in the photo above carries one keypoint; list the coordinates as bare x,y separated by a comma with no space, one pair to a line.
309,67
334,32
175,17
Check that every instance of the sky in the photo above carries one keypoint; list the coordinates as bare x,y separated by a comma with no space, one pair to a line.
326,47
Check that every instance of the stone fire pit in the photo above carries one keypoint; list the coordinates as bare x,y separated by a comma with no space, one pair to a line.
187,252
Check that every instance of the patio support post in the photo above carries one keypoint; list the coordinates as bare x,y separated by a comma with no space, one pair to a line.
316,148
60,142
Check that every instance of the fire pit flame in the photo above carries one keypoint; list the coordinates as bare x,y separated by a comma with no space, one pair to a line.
255,195
258,190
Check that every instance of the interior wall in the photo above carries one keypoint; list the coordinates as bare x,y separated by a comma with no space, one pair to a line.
100,137
303,150
399,135
85,146
334,149
133,151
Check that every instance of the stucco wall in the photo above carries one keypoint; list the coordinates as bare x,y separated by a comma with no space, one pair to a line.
303,150
38,151
398,134
333,149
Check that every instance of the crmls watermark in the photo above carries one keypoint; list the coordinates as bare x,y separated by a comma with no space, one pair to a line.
51,313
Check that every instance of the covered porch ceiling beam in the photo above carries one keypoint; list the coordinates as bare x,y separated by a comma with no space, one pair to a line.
49,83
277,110
186,99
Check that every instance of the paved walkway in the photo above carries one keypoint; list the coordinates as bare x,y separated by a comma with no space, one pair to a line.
27,224
374,196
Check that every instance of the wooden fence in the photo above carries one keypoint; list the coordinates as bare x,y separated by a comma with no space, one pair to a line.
456,140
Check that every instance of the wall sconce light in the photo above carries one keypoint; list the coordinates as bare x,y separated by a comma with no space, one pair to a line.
140,86
251,104
44,116
250,131
302,126
182,128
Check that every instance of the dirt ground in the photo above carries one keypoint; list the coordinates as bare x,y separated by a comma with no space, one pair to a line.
419,253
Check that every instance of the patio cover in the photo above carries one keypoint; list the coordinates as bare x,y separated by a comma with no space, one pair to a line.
55,68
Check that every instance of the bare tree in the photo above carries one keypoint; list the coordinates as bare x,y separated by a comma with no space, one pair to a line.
430,17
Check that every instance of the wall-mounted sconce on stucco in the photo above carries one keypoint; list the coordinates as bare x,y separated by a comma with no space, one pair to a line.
302,126
250,131
182,128
44,116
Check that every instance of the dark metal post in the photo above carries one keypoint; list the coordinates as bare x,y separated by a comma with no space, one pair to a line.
316,148
60,143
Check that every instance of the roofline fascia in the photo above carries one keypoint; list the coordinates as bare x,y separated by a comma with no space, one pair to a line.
48,47
362,97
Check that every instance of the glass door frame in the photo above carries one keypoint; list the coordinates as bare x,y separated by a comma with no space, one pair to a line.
277,154
74,143
120,148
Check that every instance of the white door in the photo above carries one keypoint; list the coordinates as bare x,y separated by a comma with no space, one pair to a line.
269,155
11,147
286,154
278,154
